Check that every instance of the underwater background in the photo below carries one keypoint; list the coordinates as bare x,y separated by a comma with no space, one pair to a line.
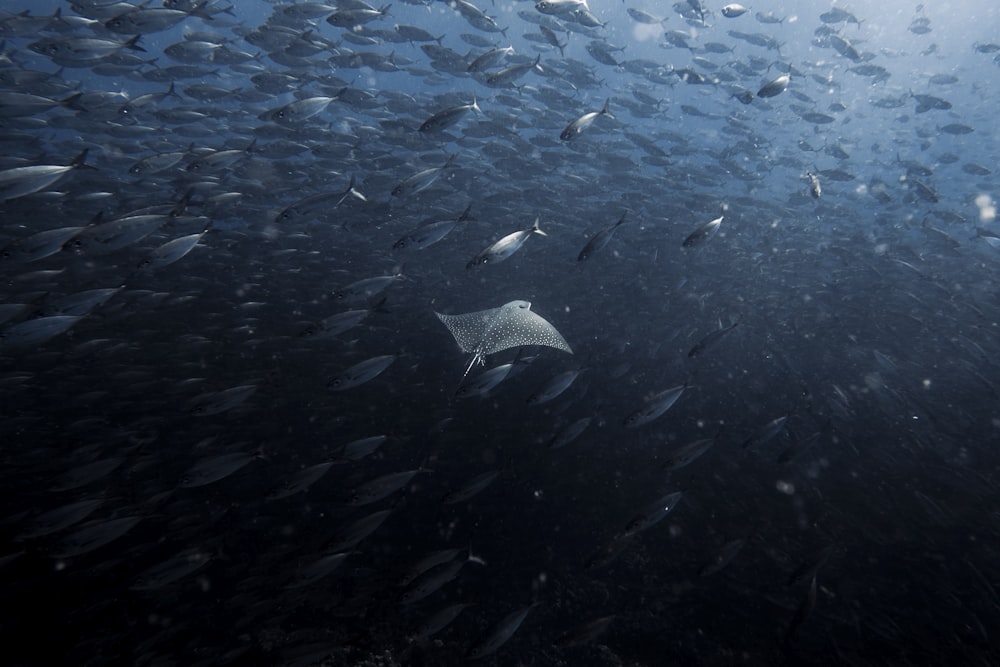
569,333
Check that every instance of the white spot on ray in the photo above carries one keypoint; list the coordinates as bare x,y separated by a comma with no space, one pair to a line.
511,325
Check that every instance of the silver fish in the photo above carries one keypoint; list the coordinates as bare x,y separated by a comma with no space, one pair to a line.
22,181
300,481
362,447
570,433
652,514
38,246
216,468
510,74
489,59
470,488
575,128
349,536
448,117
686,454
439,620
505,247
430,233
486,332
733,10
599,240
94,535
711,339
216,402
38,330
654,407
382,487
815,189
485,382
585,633
500,633
361,373
421,180
299,110
774,87
554,387
170,252
703,233
309,207
317,569
173,569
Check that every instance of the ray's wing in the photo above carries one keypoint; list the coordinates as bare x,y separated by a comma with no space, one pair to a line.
469,328
517,327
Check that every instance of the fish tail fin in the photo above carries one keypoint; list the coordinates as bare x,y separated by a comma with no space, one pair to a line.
79,161
475,105
604,109
73,102
536,229
134,44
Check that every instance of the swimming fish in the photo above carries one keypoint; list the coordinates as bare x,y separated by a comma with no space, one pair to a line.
703,233
575,128
511,325
775,87
505,247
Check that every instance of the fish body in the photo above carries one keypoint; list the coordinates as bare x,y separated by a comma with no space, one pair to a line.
381,487
21,181
116,234
311,206
428,234
570,433
733,10
508,75
502,631
652,514
471,488
448,117
170,252
725,556
711,339
487,60
559,7
599,240
554,387
505,247
703,233
145,20
35,331
815,189
575,128
38,246
351,18
774,87
654,407
361,373
687,454
299,110
421,180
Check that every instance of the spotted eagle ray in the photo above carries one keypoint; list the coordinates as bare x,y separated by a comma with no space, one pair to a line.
511,325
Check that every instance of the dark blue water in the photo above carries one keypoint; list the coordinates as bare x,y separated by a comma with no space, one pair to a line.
187,481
